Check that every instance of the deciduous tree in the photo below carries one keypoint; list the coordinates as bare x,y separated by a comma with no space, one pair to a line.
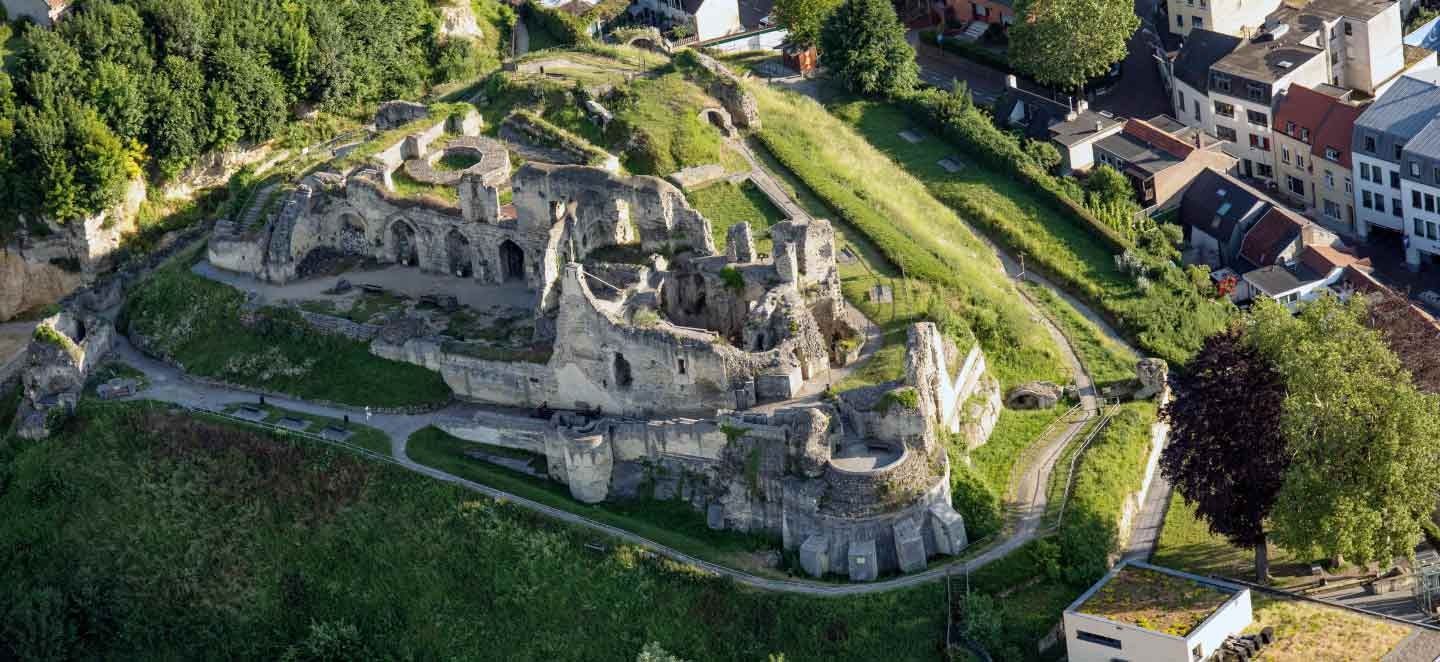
803,18
1066,42
1364,443
1227,455
863,45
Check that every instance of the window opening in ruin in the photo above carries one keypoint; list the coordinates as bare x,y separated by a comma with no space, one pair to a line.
680,363
406,250
623,378
458,248
512,261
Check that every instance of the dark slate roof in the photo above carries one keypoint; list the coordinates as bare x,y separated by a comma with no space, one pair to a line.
1043,112
1276,279
1269,237
1202,50
1401,113
1215,203
1084,127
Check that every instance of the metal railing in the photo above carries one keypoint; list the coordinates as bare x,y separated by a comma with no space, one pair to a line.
1105,416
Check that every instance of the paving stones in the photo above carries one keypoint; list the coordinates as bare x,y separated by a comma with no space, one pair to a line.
292,423
951,164
910,136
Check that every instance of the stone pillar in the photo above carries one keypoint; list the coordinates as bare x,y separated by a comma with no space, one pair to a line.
947,528
785,263
909,545
815,556
478,203
740,244
588,464
863,562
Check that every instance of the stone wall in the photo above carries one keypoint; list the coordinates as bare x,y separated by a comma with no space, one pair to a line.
65,349
508,383
726,87
331,325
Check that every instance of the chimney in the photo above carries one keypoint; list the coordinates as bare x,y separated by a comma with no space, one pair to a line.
1099,126
1199,140
1082,106
1010,82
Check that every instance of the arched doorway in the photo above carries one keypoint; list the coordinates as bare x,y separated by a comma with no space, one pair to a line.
623,376
719,120
512,262
457,247
402,240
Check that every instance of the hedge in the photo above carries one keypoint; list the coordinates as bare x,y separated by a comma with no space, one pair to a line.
1106,477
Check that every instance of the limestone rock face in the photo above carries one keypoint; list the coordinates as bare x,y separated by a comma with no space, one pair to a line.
731,93
1152,374
810,442
29,284
740,243
1033,395
398,113
459,21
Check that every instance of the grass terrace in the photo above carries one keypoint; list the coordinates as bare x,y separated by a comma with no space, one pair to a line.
1307,632
409,187
1156,601
726,204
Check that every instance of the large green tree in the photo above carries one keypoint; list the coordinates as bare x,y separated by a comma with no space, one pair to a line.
1066,42
803,19
863,45
1364,443
1226,454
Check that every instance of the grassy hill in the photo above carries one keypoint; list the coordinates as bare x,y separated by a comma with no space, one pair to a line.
137,533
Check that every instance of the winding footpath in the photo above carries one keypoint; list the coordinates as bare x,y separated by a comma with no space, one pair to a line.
1028,493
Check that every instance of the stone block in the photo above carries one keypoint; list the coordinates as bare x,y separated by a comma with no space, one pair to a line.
863,562
909,545
715,516
948,529
815,556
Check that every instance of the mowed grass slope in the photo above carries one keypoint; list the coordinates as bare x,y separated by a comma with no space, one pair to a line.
915,233
136,533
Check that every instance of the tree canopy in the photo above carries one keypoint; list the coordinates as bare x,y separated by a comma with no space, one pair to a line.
171,79
863,44
1067,42
1363,441
1226,454
803,18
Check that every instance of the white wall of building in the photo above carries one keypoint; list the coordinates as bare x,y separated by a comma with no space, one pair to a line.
1187,95
1421,241
768,40
717,18
1233,17
1366,217
1373,51
1137,643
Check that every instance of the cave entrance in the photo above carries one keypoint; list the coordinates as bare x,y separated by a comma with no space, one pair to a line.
402,239
512,261
462,262
623,377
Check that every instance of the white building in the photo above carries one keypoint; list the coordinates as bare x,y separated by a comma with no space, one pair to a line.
1237,18
1388,197
707,19
1186,617
42,12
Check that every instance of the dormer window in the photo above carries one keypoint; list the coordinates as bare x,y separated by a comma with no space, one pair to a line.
1305,135
1334,155
1370,144
1290,129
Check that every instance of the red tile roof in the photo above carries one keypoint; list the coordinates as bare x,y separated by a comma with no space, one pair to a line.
1324,259
1335,132
1270,235
1157,138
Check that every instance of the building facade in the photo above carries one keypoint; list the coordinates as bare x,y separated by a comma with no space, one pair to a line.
1232,17
1312,132
1385,191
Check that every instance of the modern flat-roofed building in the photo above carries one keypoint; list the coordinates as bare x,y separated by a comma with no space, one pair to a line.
1145,612
1382,134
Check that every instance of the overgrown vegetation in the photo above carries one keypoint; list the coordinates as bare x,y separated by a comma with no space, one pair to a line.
1109,473
122,84
197,322
119,523
726,204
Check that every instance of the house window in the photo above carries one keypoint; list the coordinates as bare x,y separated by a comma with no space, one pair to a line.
1299,160
1224,109
1398,148
1365,200
1429,230
1296,185
1221,82
1414,168
1334,155
1180,99
1305,135
1394,179
1180,21
1285,154
1365,171
1225,133
1255,91
1264,171
1197,22
1349,29
1198,653
1332,210
1429,203
1395,208
1370,144
1419,227
1197,110
1257,118
1329,180
1290,129
1098,639
1349,188
680,365
1415,199
1260,142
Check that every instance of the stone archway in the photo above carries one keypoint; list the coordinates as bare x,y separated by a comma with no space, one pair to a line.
404,243
512,261
720,119
461,257
351,237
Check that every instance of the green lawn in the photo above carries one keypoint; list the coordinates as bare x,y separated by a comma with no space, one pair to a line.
664,114
363,436
196,321
408,187
672,523
1016,431
915,233
136,533
1018,218
726,204
1186,543
1104,358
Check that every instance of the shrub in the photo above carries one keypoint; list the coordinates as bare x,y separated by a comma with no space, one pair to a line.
1108,474
732,278
975,501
